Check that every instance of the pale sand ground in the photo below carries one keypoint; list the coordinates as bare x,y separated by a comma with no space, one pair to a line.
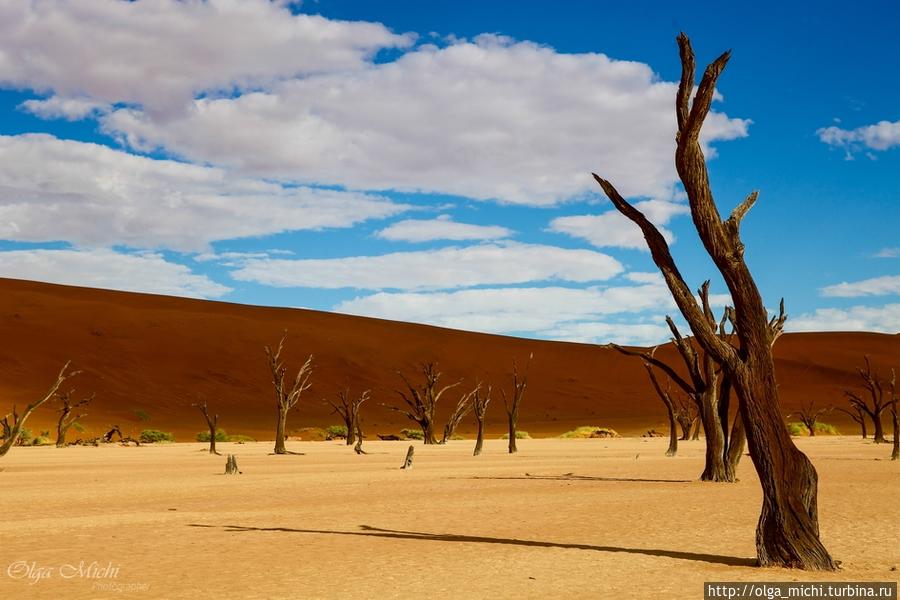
331,524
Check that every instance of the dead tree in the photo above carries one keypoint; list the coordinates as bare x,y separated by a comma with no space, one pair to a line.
463,407
479,405
666,397
788,530
359,436
347,408
859,416
879,403
407,462
895,452
66,418
231,466
686,415
12,431
809,416
211,422
512,405
421,401
286,396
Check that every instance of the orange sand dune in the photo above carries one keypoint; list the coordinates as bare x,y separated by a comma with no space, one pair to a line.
160,354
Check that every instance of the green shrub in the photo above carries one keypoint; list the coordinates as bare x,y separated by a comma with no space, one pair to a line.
520,435
412,434
584,431
141,414
796,428
41,440
240,439
336,432
152,436
221,436
78,427
25,437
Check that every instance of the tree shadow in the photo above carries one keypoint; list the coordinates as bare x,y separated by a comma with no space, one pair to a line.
368,531
572,477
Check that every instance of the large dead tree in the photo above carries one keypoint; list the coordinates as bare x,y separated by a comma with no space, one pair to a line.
512,404
666,396
880,402
809,416
463,406
13,430
66,418
287,394
347,408
480,403
421,401
212,423
788,530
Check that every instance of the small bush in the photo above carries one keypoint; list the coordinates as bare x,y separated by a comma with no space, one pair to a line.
142,415
457,437
798,429
25,437
584,431
41,440
221,436
412,434
520,435
240,439
152,436
336,432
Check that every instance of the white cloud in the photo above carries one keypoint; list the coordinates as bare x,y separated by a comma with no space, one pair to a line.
888,253
149,273
611,229
880,136
488,119
884,319
552,312
441,228
70,109
446,268
91,195
161,53
876,286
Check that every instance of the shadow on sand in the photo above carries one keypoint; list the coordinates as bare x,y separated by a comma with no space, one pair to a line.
368,531
572,477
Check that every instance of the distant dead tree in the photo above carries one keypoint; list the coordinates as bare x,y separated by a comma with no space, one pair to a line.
787,533
422,400
895,452
463,406
480,403
809,416
875,387
359,436
512,404
12,430
347,408
211,422
666,397
286,396
66,418
686,415
859,416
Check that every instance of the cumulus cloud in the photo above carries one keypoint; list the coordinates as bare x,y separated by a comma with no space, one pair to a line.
611,229
440,228
876,286
107,269
91,195
70,109
884,319
484,119
160,54
880,136
447,268
562,313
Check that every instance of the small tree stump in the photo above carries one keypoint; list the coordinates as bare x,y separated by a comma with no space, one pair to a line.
231,467
407,464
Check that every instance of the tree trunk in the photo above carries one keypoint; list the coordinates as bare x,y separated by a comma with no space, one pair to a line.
479,438
895,453
351,431
695,429
736,443
408,462
428,433
878,436
512,435
673,432
714,469
212,440
862,425
280,427
61,430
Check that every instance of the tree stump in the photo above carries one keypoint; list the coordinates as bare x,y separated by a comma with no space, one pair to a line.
231,467
407,464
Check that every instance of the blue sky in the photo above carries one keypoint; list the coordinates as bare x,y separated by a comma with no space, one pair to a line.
431,161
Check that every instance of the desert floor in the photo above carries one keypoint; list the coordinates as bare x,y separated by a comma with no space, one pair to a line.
567,518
